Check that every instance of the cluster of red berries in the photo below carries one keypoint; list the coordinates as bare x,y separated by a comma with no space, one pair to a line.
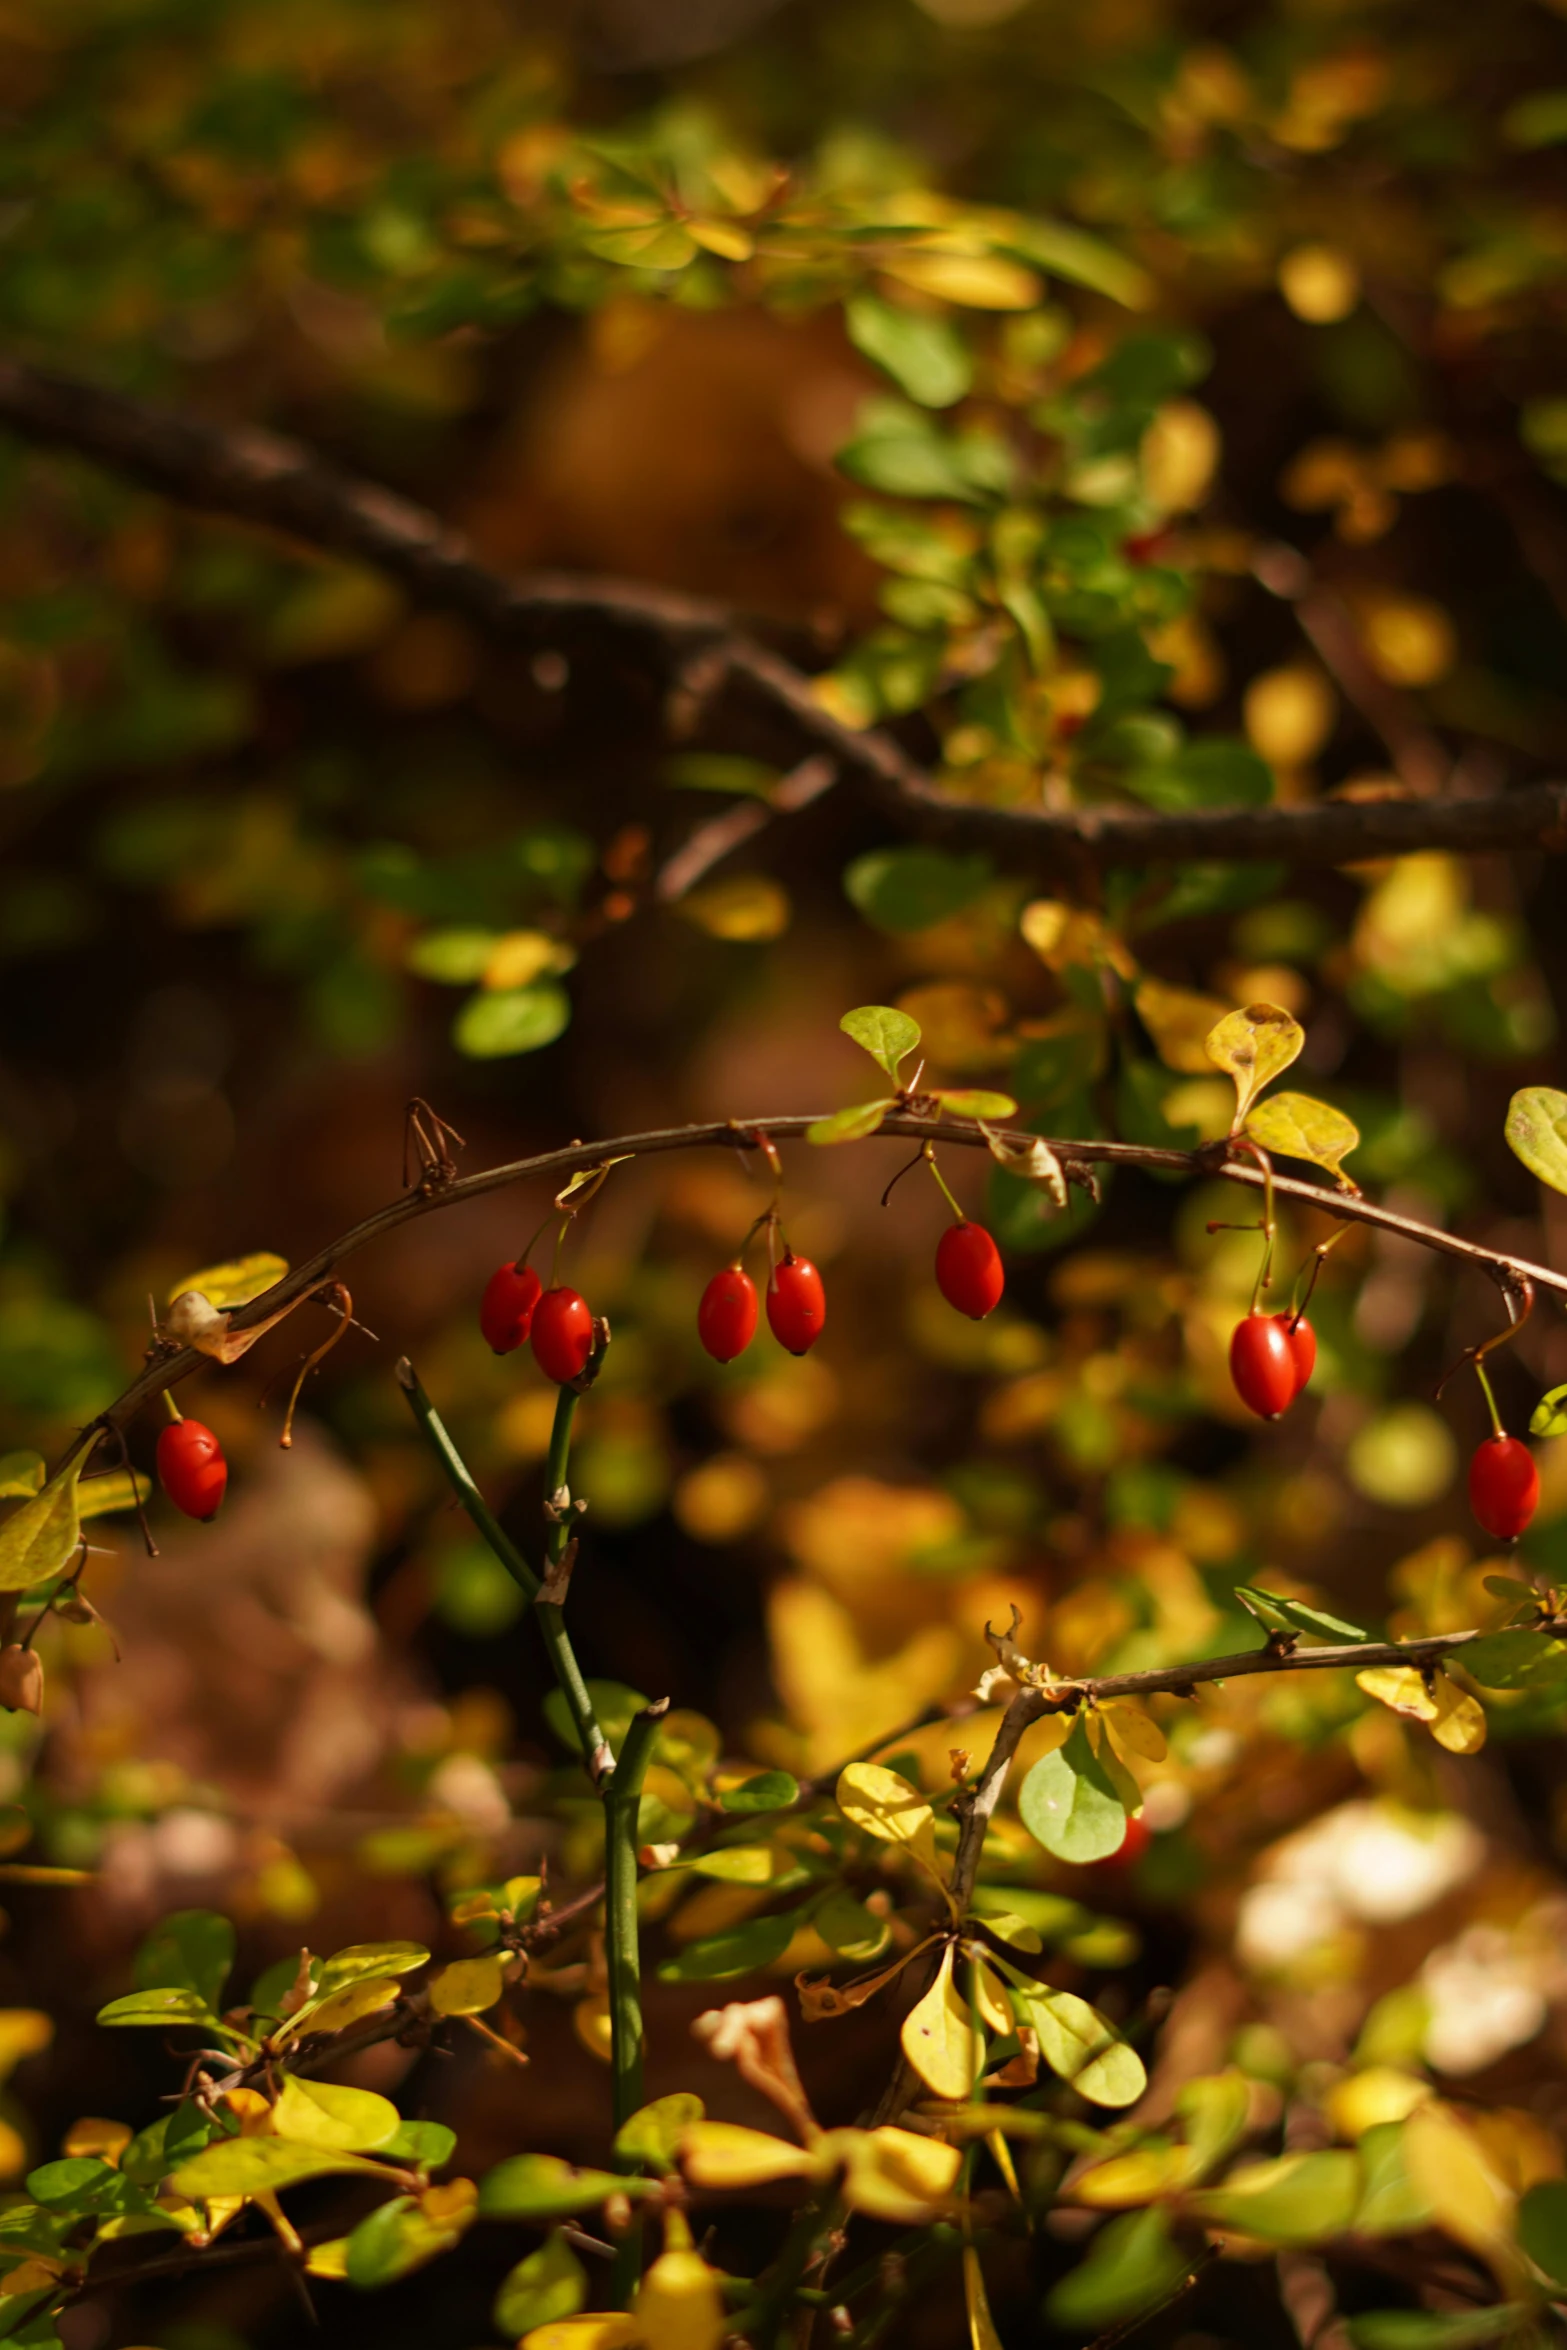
1272,1356
191,1468
517,1306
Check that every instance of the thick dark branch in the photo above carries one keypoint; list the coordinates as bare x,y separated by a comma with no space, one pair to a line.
263,478
167,1369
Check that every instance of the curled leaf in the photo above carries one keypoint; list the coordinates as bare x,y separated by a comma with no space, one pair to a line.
1031,1160
1253,1047
1301,1128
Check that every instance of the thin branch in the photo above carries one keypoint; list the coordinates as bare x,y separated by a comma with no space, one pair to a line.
260,477
710,842
167,1369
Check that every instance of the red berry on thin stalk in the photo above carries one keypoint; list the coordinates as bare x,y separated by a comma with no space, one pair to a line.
969,1271
1262,1365
191,1468
726,1317
1303,1346
506,1308
796,1304
562,1335
1504,1486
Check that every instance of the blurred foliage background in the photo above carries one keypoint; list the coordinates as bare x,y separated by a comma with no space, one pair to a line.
983,357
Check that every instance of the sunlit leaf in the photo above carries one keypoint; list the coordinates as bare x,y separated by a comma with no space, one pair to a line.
972,1102
1294,2199
158,2009
652,2137
1253,1047
403,2235
350,2005
468,1986
940,2039
540,2186
922,352
1537,1131
894,2175
260,2166
39,1539
679,2304
725,2155
851,1125
883,1804
549,2283
1293,1615
1455,1720
743,908
321,2113
235,1282
1069,1802
1080,2044
1549,1417
1300,1128
889,1036
117,1489
496,1023
21,1474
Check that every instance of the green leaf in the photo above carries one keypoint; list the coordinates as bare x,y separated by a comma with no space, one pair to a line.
1069,1803
1542,2226
21,1475
1301,1128
1083,2046
541,2186
972,1101
719,771
399,2237
1293,1615
1206,774
83,2183
1537,1133
1081,259
159,2009
614,1705
923,352
651,2138
551,2283
321,2113
912,889
768,1791
1294,2199
258,2166
118,1489
889,1036
166,2143
428,2145
192,1950
1549,1417
1519,1659
851,1125
492,1025
905,454
754,1943
361,1959
1419,2329
39,1540
1131,2266
1214,2111
457,956
1540,120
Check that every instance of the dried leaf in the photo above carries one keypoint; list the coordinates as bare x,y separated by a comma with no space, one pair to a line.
1029,1158
1253,1047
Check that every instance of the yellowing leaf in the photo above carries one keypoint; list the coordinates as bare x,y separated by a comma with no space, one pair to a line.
1320,283
92,2135
1450,2169
1363,2101
850,1125
260,2166
321,2113
1143,2175
1180,1021
1459,1722
1456,1720
1180,453
235,1282
1301,1128
990,1998
679,2305
329,2259
1080,2044
590,2020
519,957
723,2154
21,1474
1063,936
746,907
468,1986
894,2175
349,2006
1134,1731
979,281
1537,1133
1253,1047
39,1539
614,2331
883,1804
940,2040
974,1102
120,1489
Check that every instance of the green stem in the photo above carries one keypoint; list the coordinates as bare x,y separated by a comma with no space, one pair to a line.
552,1626
623,1953
929,1156
1490,1399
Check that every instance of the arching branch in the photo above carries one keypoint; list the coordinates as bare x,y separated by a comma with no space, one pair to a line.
261,477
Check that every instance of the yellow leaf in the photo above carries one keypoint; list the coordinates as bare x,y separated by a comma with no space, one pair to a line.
1411,641
982,2332
1253,1047
1144,2175
990,1998
468,1986
614,2331
520,956
883,1804
939,2038
120,1489
235,1282
723,2154
1450,2169
1320,283
1456,1720
679,2305
1137,1732
723,237
894,2175
1179,1020
320,2113
1459,1722
1180,455
1062,936
451,2205
979,281
590,2021
329,2259
1289,714
1400,1687
1379,2094
1300,1127
38,1540
745,907
91,2135
349,2006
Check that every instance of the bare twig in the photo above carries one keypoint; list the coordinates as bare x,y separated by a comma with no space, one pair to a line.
261,477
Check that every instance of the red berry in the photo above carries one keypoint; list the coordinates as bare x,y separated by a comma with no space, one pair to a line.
191,1468
1303,1346
726,1317
796,1304
1262,1365
1145,546
1504,1486
562,1335
506,1308
968,1270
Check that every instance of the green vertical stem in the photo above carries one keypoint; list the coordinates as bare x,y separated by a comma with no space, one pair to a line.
623,1953
596,1754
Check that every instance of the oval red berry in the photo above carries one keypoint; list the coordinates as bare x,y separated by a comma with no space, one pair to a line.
969,1271
562,1335
1303,1347
726,1317
1504,1486
796,1304
506,1308
1262,1365
191,1468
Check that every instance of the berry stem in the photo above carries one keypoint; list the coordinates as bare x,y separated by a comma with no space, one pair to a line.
171,1407
1490,1400
929,1156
